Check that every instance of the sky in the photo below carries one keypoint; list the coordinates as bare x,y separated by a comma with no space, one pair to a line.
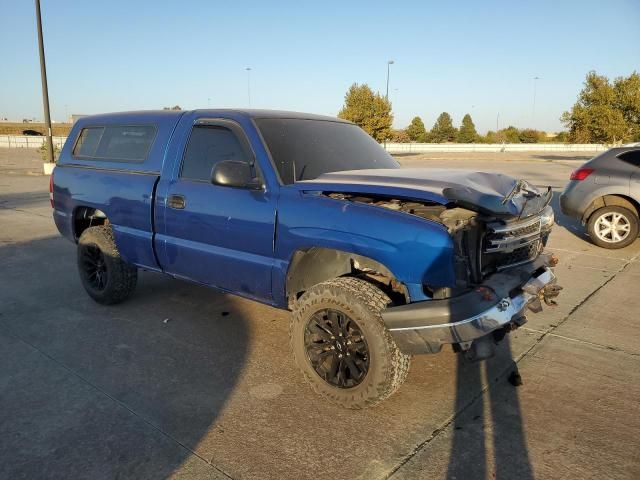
461,57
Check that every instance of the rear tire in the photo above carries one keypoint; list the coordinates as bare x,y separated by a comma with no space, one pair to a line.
613,227
104,275
343,317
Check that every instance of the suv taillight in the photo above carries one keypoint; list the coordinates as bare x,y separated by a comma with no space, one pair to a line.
51,190
580,174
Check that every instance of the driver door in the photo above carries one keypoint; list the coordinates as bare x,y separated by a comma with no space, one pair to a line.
218,235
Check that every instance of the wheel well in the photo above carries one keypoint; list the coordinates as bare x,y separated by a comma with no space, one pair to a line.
85,217
315,265
608,200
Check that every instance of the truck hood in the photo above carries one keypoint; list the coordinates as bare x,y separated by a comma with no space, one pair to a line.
488,193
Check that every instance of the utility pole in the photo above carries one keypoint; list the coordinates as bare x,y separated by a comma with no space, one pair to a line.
389,63
248,69
386,95
497,122
533,109
45,88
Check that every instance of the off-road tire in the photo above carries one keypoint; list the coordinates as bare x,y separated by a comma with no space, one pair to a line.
362,302
121,277
632,217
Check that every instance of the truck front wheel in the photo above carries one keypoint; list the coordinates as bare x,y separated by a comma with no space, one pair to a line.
342,346
104,275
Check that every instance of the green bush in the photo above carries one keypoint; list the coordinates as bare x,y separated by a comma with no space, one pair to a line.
44,154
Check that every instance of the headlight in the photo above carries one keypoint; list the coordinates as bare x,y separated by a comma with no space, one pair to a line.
547,218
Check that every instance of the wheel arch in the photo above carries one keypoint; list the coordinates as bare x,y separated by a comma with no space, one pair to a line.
84,217
611,200
314,265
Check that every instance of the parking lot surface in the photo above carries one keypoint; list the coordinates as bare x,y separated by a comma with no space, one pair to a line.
185,382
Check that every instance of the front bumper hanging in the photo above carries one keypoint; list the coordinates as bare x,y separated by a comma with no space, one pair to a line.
424,327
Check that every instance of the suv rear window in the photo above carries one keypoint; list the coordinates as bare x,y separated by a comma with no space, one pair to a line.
632,157
123,143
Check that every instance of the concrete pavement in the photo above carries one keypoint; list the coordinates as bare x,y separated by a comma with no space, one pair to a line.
182,381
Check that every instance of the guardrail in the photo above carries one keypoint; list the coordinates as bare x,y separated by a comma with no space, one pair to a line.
494,147
28,141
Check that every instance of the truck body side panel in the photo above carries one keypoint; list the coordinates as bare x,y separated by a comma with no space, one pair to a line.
122,190
415,250
123,197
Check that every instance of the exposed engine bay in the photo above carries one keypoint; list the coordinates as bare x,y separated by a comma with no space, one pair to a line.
484,244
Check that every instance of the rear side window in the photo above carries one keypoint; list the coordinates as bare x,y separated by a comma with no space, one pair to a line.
88,141
208,145
120,143
632,157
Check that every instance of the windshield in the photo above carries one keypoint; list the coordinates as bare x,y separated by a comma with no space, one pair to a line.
313,147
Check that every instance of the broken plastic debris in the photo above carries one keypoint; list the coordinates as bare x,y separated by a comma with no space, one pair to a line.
515,379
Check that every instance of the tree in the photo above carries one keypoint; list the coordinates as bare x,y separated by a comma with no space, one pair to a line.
467,132
416,130
400,136
511,134
528,135
493,137
371,111
443,130
627,91
604,113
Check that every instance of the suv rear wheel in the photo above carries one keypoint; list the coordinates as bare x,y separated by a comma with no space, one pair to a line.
104,275
342,346
613,227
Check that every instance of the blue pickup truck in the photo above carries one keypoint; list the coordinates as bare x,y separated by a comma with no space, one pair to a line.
308,213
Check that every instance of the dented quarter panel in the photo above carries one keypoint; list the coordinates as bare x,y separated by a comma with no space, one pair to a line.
415,250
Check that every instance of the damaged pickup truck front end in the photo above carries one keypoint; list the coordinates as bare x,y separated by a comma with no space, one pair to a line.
498,226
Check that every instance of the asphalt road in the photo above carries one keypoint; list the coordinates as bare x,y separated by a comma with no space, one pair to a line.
184,382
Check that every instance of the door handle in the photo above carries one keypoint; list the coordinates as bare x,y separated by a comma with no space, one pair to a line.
177,202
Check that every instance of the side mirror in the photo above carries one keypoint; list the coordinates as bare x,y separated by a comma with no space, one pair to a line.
233,173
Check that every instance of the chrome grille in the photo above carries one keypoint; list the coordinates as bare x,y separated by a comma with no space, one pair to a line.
515,243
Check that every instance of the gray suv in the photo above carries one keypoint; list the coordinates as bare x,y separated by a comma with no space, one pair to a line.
604,194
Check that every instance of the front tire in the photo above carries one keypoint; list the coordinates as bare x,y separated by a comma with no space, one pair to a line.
613,227
342,346
104,275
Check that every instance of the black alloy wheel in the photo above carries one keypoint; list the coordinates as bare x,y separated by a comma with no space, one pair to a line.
336,348
105,276
95,267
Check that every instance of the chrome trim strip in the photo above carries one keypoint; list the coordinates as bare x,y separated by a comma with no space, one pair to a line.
486,322
516,226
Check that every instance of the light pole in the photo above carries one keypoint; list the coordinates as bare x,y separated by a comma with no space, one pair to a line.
389,63
248,69
45,89
533,109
